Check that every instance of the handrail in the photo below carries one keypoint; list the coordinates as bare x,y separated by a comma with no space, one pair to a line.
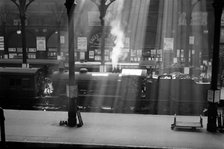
2,125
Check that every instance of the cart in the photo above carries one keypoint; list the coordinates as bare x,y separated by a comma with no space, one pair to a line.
191,125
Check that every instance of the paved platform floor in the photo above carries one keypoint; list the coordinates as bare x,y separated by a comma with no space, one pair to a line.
107,130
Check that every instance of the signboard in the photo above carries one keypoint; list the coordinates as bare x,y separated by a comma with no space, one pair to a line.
178,52
82,55
186,70
222,94
217,95
12,49
71,91
31,55
168,44
6,56
41,44
133,52
1,47
213,96
32,49
1,38
222,19
191,40
91,54
12,55
1,43
210,96
199,18
97,58
82,44
174,60
52,49
16,22
222,36
19,50
62,39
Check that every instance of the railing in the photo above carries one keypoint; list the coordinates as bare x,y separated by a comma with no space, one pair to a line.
2,125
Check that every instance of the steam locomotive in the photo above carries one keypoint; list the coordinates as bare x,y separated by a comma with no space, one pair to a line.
128,91
115,92
134,91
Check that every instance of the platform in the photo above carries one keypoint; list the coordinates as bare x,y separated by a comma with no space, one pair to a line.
41,128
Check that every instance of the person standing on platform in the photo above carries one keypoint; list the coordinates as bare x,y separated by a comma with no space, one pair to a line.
61,66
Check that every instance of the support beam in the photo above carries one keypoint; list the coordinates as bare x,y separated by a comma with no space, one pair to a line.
212,106
72,103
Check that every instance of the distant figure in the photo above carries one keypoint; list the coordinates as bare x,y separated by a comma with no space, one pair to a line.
204,71
45,70
48,87
61,66
149,72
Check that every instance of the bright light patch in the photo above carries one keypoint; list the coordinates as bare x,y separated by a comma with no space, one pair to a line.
135,72
100,74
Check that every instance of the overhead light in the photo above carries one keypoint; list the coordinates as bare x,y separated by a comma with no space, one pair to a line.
18,32
205,31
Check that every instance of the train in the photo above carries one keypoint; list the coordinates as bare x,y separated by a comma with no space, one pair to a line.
18,85
103,91
28,86
128,91
134,91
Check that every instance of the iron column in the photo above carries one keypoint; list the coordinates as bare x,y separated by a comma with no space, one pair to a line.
72,103
212,105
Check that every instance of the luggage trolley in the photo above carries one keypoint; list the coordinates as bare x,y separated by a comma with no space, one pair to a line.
192,125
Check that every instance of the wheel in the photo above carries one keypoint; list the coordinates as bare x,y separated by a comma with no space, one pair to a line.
221,130
61,123
172,126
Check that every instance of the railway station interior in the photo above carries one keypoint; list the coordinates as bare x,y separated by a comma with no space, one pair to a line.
160,59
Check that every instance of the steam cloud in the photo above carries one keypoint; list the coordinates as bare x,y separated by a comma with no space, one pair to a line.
118,33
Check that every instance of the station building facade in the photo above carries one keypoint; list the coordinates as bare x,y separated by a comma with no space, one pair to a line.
174,34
